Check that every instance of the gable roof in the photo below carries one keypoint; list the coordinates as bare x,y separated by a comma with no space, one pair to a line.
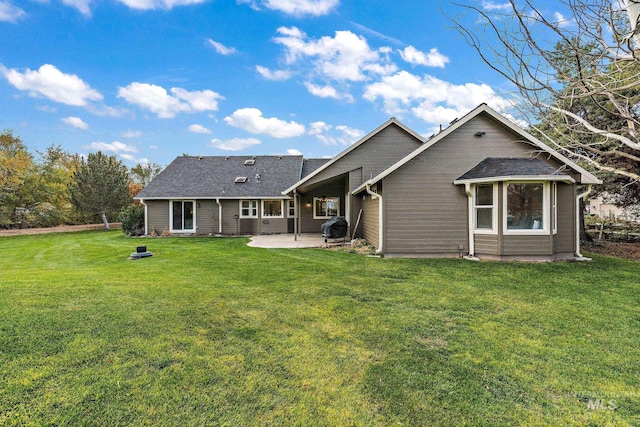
585,176
391,121
498,169
225,177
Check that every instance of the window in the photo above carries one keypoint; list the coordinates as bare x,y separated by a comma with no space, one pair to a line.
325,207
292,209
484,207
272,208
248,208
525,206
182,216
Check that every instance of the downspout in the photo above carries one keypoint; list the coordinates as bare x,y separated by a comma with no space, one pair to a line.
380,217
295,215
146,223
219,215
579,256
472,244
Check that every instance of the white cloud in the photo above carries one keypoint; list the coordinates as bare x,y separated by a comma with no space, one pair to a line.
345,135
562,21
196,128
430,98
157,100
251,120
220,48
115,146
277,75
133,159
344,57
10,13
158,4
234,144
82,6
294,152
317,128
349,135
432,59
76,122
490,5
327,92
131,134
50,82
296,7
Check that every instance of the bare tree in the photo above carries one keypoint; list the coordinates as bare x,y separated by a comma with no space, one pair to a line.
577,78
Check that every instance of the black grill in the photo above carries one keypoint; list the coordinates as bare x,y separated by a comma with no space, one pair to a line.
335,228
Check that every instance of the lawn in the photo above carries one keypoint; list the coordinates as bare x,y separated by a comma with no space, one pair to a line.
211,332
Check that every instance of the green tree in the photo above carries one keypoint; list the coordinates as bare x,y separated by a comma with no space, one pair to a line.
100,186
16,180
143,174
55,169
576,73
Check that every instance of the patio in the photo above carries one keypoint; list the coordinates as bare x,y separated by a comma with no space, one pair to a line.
305,240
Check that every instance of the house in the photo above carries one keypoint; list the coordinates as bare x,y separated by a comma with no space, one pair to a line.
208,195
482,188
602,207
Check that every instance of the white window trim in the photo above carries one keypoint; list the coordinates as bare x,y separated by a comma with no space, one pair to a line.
253,203
315,199
291,208
272,216
544,231
494,216
190,230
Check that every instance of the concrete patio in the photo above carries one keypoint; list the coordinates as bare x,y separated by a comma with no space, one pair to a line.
309,240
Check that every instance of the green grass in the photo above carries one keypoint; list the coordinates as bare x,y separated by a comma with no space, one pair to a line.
212,332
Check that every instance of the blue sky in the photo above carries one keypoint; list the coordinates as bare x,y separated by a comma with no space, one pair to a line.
149,80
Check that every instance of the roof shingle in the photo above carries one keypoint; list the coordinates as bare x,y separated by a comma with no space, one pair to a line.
214,176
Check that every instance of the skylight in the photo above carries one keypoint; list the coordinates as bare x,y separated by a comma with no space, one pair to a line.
240,179
249,162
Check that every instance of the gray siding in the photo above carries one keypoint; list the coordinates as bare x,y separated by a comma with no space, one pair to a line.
370,220
527,245
566,237
425,212
486,244
206,217
157,216
372,157
332,189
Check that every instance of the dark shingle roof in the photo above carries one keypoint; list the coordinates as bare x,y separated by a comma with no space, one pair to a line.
493,167
214,176
310,165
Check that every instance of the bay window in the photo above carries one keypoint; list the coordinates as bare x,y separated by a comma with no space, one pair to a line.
484,209
525,207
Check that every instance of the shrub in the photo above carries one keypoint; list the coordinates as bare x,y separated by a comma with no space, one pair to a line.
132,219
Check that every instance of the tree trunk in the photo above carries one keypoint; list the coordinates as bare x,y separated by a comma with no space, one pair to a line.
584,236
105,221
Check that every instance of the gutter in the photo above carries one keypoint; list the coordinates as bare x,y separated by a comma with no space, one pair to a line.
579,256
380,217
219,215
472,244
146,223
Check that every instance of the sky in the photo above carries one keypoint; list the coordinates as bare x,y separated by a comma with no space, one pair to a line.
149,80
